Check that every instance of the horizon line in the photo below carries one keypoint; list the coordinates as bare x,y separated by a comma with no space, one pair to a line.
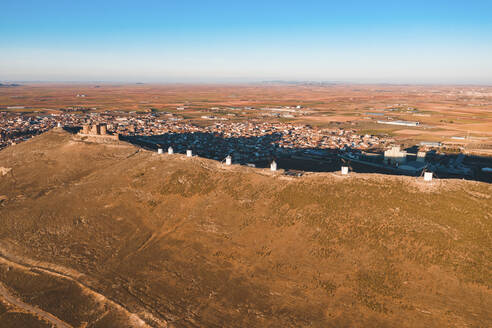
272,82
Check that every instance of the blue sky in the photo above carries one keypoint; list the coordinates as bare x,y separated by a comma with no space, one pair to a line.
242,41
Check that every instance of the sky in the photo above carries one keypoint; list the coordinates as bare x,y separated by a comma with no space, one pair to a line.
398,41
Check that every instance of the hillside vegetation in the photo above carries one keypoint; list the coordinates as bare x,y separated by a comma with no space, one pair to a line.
114,236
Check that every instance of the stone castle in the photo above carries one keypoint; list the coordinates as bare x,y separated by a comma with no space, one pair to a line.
96,133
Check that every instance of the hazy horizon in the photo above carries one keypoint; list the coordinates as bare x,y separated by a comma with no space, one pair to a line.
242,83
443,42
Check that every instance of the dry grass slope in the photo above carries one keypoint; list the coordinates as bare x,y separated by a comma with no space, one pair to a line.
173,241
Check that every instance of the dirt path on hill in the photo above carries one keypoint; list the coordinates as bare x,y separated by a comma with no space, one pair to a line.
134,319
9,298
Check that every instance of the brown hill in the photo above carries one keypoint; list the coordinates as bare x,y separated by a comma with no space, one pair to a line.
99,235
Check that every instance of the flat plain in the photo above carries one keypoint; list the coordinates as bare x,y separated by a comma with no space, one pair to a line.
444,112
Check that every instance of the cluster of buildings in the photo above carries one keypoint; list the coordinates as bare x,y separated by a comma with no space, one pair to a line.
244,142
264,139
398,160
250,142
15,127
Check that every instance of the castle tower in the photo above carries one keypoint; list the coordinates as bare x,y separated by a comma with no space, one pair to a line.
94,129
103,129
85,129
170,151
273,166
228,160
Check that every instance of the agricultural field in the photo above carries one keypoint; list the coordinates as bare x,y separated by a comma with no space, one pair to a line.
445,113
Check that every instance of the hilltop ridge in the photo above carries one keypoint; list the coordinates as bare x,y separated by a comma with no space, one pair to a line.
127,237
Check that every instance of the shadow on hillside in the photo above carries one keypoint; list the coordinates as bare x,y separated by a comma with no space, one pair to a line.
72,129
260,151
